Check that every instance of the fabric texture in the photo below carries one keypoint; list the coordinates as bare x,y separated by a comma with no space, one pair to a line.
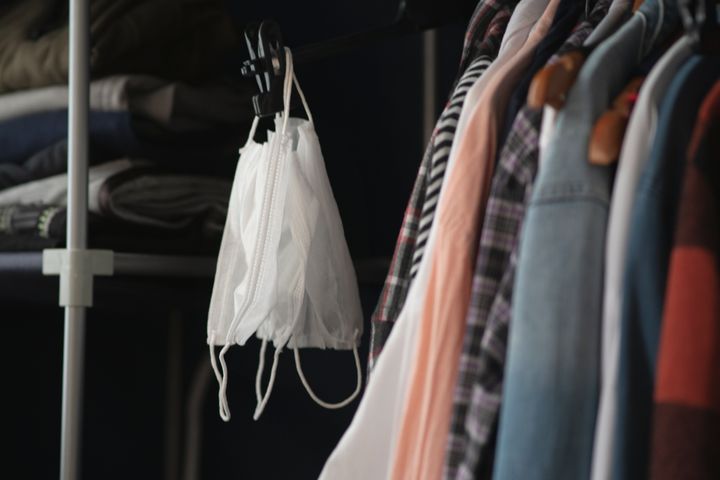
170,104
479,386
419,213
133,192
618,12
686,418
35,146
366,449
172,39
639,137
420,449
37,227
552,368
653,221
564,22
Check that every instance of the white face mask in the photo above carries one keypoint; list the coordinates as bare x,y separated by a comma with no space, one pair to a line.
284,272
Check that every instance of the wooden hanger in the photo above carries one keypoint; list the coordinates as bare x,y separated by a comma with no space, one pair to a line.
551,84
609,131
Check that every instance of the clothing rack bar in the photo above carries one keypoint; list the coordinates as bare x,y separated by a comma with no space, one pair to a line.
329,48
74,343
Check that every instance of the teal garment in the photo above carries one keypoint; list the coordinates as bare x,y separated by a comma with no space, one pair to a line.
552,382
650,243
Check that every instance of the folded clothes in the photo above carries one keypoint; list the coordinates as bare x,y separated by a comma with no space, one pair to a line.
35,146
172,105
22,137
37,227
136,193
179,39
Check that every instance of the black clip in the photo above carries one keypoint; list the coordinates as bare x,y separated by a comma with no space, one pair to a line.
267,65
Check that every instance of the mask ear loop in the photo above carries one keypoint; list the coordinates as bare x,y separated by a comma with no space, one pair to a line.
223,408
290,79
251,136
263,399
322,403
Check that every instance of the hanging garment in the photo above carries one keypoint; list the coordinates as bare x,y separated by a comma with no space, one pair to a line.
618,12
686,414
552,373
284,272
565,20
650,243
423,436
393,296
479,387
639,138
365,450
417,220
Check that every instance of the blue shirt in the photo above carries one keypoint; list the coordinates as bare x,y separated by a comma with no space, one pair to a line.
552,377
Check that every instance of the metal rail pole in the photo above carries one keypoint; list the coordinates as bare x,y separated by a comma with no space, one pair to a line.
74,343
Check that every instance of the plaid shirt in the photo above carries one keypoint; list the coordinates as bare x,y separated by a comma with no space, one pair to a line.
490,17
478,392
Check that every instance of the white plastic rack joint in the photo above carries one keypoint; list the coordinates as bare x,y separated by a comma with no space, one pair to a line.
77,268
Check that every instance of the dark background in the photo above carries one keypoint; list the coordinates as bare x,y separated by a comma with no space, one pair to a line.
367,106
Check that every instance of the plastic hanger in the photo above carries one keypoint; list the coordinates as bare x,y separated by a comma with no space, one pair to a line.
265,41
551,84
609,130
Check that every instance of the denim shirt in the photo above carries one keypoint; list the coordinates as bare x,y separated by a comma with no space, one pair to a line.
552,376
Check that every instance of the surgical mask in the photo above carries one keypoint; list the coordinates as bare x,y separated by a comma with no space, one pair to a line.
284,272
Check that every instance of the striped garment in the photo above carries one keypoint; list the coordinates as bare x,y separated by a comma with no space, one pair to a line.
442,140
478,392
686,417
420,211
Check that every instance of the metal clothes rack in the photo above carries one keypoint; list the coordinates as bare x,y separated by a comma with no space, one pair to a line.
77,265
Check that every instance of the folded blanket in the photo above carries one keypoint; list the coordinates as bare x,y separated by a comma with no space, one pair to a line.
35,146
37,227
133,192
173,105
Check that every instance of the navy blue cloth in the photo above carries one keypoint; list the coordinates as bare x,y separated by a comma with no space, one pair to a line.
35,146
24,136
653,223
567,16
